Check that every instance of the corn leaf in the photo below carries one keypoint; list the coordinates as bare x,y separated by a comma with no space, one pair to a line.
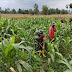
19,67
25,65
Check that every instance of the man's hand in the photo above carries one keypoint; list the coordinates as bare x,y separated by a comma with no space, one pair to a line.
43,47
54,30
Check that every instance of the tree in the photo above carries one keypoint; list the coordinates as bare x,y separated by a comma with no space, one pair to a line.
13,11
36,11
63,11
0,9
51,11
30,11
7,10
44,9
69,6
26,11
20,11
57,11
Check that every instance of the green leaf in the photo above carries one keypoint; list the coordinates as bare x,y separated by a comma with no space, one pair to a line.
7,50
49,61
42,70
0,45
52,57
16,46
19,67
26,65
70,62
13,39
59,54
68,70
28,48
68,65
12,31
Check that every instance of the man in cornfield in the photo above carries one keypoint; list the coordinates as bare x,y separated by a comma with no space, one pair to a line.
40,38
52,30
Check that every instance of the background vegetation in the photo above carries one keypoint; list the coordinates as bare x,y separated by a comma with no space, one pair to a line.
45,11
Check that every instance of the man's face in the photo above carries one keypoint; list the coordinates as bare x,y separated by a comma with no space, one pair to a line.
53,26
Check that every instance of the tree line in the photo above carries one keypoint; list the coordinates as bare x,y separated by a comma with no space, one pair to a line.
45,11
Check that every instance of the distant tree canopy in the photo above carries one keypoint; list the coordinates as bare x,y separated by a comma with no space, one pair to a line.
70,5
63,11
20,11
7,10
51,11
13,11
45,10
30,11
0,9
36,11
57,11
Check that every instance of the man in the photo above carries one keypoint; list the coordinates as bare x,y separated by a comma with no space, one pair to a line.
52,31
40,41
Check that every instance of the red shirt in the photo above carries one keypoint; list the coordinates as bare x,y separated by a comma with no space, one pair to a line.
51,32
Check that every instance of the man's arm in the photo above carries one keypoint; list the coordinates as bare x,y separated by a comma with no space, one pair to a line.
41,36
44,38
54,29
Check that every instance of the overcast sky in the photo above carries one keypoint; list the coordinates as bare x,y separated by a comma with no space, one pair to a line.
28,4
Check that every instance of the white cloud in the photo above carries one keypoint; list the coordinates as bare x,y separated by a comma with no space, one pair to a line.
27,4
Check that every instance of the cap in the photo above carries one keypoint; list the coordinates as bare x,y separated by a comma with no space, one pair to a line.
53,23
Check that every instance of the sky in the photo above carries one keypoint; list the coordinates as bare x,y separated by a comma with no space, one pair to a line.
28,4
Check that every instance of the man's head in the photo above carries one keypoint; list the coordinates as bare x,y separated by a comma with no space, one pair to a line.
41,31
53,24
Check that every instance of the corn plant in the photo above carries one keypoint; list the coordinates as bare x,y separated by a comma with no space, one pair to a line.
9,53
17,44
65,61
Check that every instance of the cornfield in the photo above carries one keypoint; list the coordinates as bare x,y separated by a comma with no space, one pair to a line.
17,50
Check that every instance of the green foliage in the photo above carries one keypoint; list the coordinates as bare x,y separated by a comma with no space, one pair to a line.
51,51
30,11
44,9
7,53
65,61
63,11
36,11
70,5
13,11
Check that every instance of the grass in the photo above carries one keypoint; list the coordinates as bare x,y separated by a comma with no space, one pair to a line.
22,16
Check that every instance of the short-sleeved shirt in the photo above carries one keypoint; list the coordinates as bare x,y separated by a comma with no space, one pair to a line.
51,32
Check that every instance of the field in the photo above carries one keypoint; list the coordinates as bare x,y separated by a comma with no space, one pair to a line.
17,49
22,16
